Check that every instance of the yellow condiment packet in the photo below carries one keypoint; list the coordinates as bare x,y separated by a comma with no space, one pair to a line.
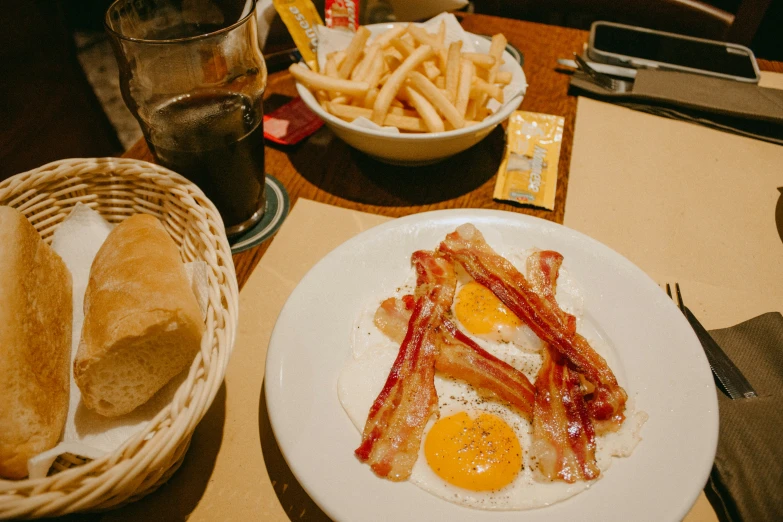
528,174
300,17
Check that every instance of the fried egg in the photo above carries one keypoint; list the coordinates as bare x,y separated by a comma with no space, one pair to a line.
475,451
483,315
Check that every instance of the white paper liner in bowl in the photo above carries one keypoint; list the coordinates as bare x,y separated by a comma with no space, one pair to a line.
88,434
331,40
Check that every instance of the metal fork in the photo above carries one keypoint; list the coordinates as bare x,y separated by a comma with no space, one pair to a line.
603,80
727,374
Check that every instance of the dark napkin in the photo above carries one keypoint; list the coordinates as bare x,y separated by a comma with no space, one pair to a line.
746,483
741,108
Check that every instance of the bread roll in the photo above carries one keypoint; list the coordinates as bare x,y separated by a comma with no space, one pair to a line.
142,324
36,313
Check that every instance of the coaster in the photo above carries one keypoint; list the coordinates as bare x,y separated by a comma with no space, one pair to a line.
276,210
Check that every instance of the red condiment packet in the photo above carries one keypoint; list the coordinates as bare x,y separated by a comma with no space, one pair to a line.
342,14
291,123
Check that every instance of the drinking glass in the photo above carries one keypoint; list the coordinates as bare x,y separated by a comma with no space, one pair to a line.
192,73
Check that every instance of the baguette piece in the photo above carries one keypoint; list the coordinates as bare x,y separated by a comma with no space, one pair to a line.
142,323
36,314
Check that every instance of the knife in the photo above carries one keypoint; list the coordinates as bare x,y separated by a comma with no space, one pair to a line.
614,70
729,376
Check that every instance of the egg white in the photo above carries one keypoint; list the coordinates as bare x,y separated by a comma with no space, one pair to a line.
364,375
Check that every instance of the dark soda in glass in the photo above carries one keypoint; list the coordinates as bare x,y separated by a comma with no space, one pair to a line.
216,140
193,75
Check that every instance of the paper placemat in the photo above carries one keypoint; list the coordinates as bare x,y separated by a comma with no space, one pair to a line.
234,469
686,204
771,80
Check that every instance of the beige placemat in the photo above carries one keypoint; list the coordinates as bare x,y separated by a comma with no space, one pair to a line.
771,80
234,469
685,203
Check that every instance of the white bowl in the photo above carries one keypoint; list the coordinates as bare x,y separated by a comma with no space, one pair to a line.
423,148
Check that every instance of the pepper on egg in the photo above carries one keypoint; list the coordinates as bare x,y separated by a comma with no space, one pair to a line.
480,453
482,314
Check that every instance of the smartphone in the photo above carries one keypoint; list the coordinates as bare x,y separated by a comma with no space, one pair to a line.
638,47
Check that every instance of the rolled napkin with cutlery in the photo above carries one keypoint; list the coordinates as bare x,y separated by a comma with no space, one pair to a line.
746,478
741,108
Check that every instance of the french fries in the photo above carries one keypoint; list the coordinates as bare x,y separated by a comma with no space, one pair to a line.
327,83
402,122
496,49
425,108
437,99
452,68
354,52
480,60
503,77
467,71
410,79
395,81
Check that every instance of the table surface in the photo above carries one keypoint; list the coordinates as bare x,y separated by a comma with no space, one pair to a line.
325,169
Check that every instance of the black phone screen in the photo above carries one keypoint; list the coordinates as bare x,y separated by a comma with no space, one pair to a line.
665,49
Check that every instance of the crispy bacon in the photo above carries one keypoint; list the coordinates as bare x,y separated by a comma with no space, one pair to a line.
563,433
460,357
543,269
392,433
467,246
393,315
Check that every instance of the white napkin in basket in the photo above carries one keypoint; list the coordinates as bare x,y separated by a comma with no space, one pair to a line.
88,434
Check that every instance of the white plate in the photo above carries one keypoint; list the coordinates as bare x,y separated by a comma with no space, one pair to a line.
662,366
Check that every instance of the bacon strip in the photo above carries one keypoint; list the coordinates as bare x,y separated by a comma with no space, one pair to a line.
393,315
543,269
563,433
460,357
392,433
467,246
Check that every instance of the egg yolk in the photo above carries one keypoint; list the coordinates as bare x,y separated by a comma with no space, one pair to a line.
479,454
481,312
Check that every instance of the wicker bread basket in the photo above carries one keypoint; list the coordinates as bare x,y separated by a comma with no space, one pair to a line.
118,188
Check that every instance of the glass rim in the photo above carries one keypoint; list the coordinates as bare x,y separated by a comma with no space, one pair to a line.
186,39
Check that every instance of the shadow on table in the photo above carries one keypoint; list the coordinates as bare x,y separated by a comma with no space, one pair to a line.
189,481
295,501
274,101
342,171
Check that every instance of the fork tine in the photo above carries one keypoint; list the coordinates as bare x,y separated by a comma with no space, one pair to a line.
679,296
680,304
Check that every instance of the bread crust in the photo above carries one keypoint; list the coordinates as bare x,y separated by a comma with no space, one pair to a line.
142,323
36,315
